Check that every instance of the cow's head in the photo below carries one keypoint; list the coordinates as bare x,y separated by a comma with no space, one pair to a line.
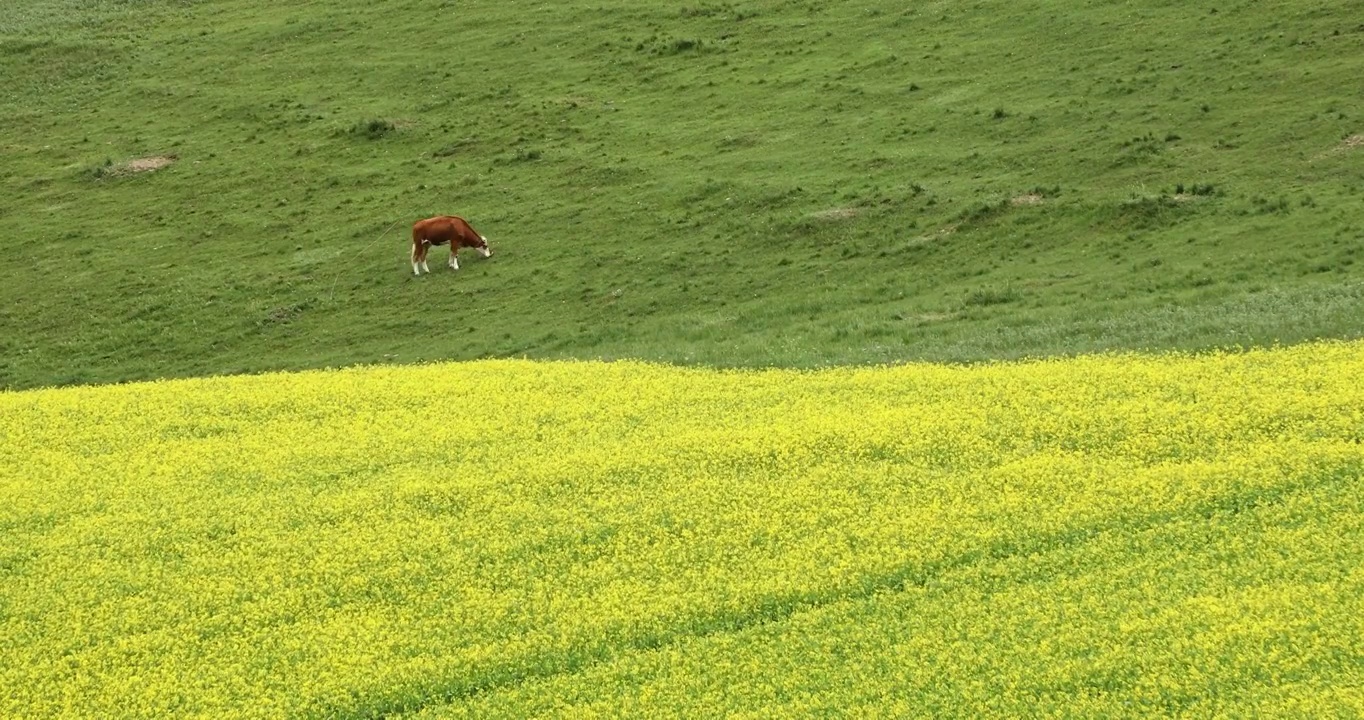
483,247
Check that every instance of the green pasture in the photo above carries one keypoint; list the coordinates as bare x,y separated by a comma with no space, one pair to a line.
751,183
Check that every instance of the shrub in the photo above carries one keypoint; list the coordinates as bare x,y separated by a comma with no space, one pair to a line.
372,129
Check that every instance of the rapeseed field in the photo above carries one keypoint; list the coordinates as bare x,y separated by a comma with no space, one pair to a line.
1117,535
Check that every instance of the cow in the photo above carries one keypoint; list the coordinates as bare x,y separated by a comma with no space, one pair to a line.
440,230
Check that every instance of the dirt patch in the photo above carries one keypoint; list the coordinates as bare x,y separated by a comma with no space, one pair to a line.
843,213
148,164
1354,142
1026,199
137,165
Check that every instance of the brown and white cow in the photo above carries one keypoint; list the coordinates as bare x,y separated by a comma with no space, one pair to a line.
440,230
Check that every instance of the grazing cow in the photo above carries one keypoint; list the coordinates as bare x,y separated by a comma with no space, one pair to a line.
440,230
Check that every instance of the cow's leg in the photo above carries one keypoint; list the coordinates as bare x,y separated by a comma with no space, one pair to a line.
454,259
416,258
426,248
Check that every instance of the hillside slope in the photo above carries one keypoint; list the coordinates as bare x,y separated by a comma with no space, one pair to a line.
770,182
1105,536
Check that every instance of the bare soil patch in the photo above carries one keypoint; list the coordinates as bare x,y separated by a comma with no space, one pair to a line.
1354,142
148,164
135,166
1026,199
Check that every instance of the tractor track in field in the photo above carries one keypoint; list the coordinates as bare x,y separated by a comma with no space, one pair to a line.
917,576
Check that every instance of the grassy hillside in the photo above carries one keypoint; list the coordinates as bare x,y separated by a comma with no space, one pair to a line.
756,182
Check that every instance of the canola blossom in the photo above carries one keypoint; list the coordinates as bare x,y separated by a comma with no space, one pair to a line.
1119,535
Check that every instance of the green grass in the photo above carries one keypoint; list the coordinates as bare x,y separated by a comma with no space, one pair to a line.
770,183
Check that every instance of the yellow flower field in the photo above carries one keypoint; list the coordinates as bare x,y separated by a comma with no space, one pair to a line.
1101,536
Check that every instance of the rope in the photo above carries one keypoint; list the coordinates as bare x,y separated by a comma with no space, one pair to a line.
332,292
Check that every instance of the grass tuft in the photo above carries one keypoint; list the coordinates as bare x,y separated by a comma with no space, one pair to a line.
372,129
